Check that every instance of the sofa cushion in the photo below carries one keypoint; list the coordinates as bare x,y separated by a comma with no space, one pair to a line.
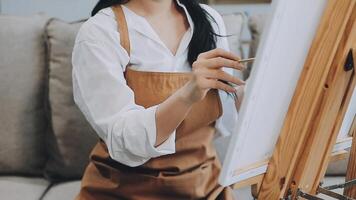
61,191
20,188
71,137
22,88
256,24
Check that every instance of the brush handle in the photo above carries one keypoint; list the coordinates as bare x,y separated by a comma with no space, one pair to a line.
247,60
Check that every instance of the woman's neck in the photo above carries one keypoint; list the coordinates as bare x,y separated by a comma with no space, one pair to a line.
152,8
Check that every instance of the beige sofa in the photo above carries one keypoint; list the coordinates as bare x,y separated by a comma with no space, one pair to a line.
45,140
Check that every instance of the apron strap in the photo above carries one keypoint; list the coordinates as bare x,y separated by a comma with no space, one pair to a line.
122,27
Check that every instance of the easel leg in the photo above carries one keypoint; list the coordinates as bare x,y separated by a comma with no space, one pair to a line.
351,169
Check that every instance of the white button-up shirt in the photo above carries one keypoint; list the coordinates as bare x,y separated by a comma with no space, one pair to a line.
101,92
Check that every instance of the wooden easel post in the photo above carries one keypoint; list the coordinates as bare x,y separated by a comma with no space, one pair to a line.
317,108
322,138
351,169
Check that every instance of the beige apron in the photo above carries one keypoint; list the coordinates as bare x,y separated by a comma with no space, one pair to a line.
190,173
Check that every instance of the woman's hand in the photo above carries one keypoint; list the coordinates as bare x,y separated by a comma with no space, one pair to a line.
208,74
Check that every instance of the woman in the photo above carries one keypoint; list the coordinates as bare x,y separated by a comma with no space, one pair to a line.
146,75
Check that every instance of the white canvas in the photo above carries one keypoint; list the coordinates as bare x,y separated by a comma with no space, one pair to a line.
285,45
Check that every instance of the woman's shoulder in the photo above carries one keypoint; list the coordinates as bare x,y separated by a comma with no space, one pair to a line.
101,27
215,15
210,10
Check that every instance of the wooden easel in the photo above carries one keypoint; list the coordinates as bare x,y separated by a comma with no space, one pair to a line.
351,169
316,112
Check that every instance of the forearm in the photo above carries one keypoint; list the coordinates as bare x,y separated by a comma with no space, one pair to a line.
171,113
206,75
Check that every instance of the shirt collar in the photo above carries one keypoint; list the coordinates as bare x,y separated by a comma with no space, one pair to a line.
190,20
140,24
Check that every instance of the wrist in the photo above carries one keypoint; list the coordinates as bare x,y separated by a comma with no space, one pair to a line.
185,94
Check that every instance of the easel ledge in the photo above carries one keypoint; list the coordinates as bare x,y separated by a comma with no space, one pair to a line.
255,181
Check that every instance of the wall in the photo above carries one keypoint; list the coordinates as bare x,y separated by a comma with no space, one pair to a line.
68,10
72,10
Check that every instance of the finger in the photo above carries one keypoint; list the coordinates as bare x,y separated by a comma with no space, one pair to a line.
219,53
220,62
215,84
221,75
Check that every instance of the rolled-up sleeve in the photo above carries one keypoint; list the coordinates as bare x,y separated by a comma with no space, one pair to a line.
101,93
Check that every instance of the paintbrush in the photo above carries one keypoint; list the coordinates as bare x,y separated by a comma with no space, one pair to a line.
247,60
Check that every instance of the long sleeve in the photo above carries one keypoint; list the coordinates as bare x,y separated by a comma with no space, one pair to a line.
101,93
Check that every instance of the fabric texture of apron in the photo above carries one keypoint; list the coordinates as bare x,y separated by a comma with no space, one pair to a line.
190,173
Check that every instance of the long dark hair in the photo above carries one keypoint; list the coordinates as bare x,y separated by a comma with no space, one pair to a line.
204,37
